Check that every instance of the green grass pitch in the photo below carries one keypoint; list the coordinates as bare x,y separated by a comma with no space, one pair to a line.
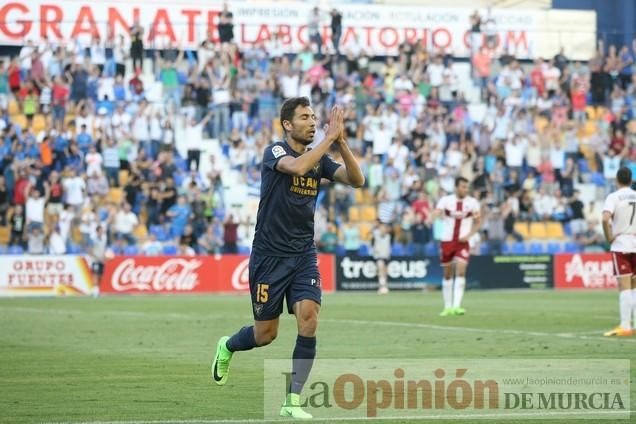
147,358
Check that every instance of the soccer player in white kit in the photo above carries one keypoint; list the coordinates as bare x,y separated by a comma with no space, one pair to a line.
619,226
462,219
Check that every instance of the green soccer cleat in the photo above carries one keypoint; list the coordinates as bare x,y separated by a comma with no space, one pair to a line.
221,365
459,311
291,408
447,312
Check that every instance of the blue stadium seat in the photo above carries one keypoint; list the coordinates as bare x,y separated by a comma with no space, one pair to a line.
170,249
554,248
16,250
431,249
484,249
518,248
536,248
74,249
3,249
340,250
397,249
244,250
364,250
571,247
131,250
410,249
567,229
506,249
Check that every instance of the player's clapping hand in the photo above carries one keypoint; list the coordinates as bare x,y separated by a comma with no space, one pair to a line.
335,128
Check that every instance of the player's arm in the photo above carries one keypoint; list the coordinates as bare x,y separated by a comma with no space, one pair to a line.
475,227
607,227
351,173
302,164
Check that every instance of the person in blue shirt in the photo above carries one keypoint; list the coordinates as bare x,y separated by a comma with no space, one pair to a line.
84,140
283,264
180,215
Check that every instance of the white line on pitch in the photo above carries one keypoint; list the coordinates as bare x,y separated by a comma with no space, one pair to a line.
474,330
339,419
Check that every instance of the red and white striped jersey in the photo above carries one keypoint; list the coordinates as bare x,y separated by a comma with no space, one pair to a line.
457,215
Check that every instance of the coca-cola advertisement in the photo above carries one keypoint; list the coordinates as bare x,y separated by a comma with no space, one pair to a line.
44,275
189,274
584,271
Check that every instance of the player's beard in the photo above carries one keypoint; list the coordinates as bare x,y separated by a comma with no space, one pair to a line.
305,138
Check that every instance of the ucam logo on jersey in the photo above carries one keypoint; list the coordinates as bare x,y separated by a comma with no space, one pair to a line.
584,271
194,274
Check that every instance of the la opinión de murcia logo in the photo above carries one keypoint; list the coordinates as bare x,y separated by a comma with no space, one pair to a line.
593,273
174,274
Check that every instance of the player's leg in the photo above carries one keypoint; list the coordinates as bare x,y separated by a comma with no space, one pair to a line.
460,286
447,288
382,277
633,301
446,260
303,300
623,272
269,278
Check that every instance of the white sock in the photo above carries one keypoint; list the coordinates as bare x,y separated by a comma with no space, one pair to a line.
383,282
460,286
634,306
447,291
625,298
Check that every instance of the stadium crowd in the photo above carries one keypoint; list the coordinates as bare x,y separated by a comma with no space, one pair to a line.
88,163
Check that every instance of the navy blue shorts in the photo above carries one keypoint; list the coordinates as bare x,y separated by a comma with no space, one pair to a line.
273,278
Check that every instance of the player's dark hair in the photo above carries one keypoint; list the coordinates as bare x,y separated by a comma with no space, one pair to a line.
624,176
460,180
289,106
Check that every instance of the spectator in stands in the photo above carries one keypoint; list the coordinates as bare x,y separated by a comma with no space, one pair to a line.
36,240
211,242
57,244
180,214
188,238
124,223
336,29
314,29
34,208
230,234
194,140
17,223
226,25
590,239
137,45
328,240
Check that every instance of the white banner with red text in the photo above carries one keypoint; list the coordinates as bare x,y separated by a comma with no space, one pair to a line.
190,274
45,275
378,29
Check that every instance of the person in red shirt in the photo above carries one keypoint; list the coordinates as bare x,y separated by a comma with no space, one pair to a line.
536,77
20,188
60,96
230,235
421,206
14,76
481,68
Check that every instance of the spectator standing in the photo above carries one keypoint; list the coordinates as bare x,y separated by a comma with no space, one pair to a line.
336,29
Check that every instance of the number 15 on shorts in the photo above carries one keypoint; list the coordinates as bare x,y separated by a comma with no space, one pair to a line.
261,292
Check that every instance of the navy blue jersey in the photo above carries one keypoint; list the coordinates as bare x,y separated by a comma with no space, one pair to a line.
285,220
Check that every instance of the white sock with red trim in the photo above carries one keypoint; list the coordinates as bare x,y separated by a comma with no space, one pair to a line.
460,286
625,301
447,292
